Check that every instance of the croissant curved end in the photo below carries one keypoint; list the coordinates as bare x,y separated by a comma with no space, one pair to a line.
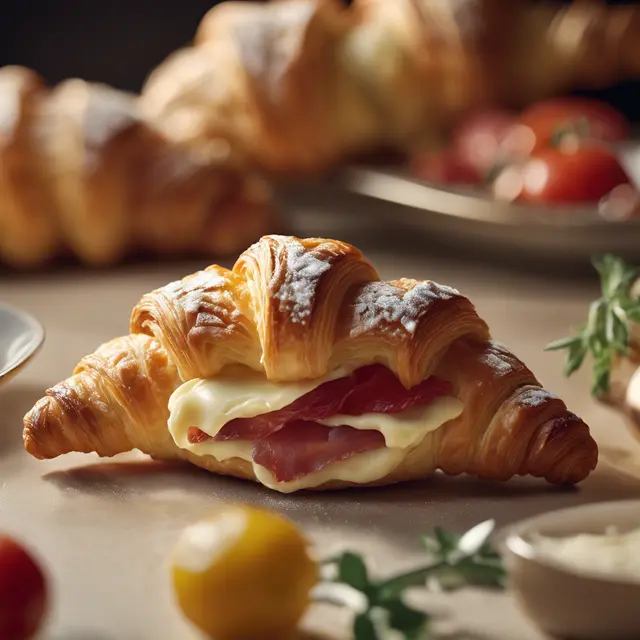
563,451
58,424
39,423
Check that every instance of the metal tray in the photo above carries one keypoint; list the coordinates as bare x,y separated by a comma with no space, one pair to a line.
574,233
468,221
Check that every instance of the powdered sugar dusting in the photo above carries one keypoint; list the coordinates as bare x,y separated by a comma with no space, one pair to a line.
267,44
535,397
109,112
383,304
207,295
498,364
502,362
191,290
297,291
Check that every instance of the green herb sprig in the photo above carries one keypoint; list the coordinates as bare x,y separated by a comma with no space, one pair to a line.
606,332
580,128
379,609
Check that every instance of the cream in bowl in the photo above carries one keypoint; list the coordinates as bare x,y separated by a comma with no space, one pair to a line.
576,572
610,555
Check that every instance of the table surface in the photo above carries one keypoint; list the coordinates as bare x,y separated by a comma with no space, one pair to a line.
104,528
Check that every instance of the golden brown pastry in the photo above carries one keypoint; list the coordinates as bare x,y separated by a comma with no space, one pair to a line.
301,84
300,369
269,78
28,229
81,171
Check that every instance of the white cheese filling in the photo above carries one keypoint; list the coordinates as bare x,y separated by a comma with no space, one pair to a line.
241,393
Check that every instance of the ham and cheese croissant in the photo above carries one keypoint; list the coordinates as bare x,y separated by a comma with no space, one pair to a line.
300,369
81,171
302,84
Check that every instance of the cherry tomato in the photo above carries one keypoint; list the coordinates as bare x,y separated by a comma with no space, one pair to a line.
552,175
444,167
490,138
23,592
582,117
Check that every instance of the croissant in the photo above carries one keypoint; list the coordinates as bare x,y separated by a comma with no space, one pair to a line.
269,79
302,84
300,369
82,172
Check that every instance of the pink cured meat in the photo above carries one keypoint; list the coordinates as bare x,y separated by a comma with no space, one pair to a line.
325,400
370,389
302,447
290,442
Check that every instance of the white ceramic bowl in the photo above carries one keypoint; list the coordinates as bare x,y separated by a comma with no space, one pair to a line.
21,335
566,602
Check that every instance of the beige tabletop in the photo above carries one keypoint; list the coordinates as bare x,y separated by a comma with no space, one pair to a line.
104,528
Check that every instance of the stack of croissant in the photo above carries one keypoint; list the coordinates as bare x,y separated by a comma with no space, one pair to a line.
269,89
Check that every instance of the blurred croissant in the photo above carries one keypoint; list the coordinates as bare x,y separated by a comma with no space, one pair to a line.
301,84
82,172
300,369
289,86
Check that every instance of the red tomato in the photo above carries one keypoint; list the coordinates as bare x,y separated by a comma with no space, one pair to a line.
490,138
23,592
551,175
443,167
586,118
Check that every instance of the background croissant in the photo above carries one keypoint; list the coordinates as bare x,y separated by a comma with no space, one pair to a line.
302,84
81,171
296,309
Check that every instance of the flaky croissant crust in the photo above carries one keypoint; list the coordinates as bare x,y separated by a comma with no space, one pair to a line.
300,85
297,309
83,173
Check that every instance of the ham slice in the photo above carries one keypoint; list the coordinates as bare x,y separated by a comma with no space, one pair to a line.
371,389
315,446
290,442
378,390
324,401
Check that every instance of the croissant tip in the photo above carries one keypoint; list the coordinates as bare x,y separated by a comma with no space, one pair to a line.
31,446
582,459
32,425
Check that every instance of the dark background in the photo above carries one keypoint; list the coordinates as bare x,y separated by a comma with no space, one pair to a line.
112,41
120,41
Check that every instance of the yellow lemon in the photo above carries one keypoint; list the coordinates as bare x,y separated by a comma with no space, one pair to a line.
243,574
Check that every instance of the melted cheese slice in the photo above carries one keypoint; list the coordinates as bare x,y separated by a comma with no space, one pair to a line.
406,429
359,469
240,393
237,393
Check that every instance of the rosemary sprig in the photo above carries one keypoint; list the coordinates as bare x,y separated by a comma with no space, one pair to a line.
380,612
606,332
